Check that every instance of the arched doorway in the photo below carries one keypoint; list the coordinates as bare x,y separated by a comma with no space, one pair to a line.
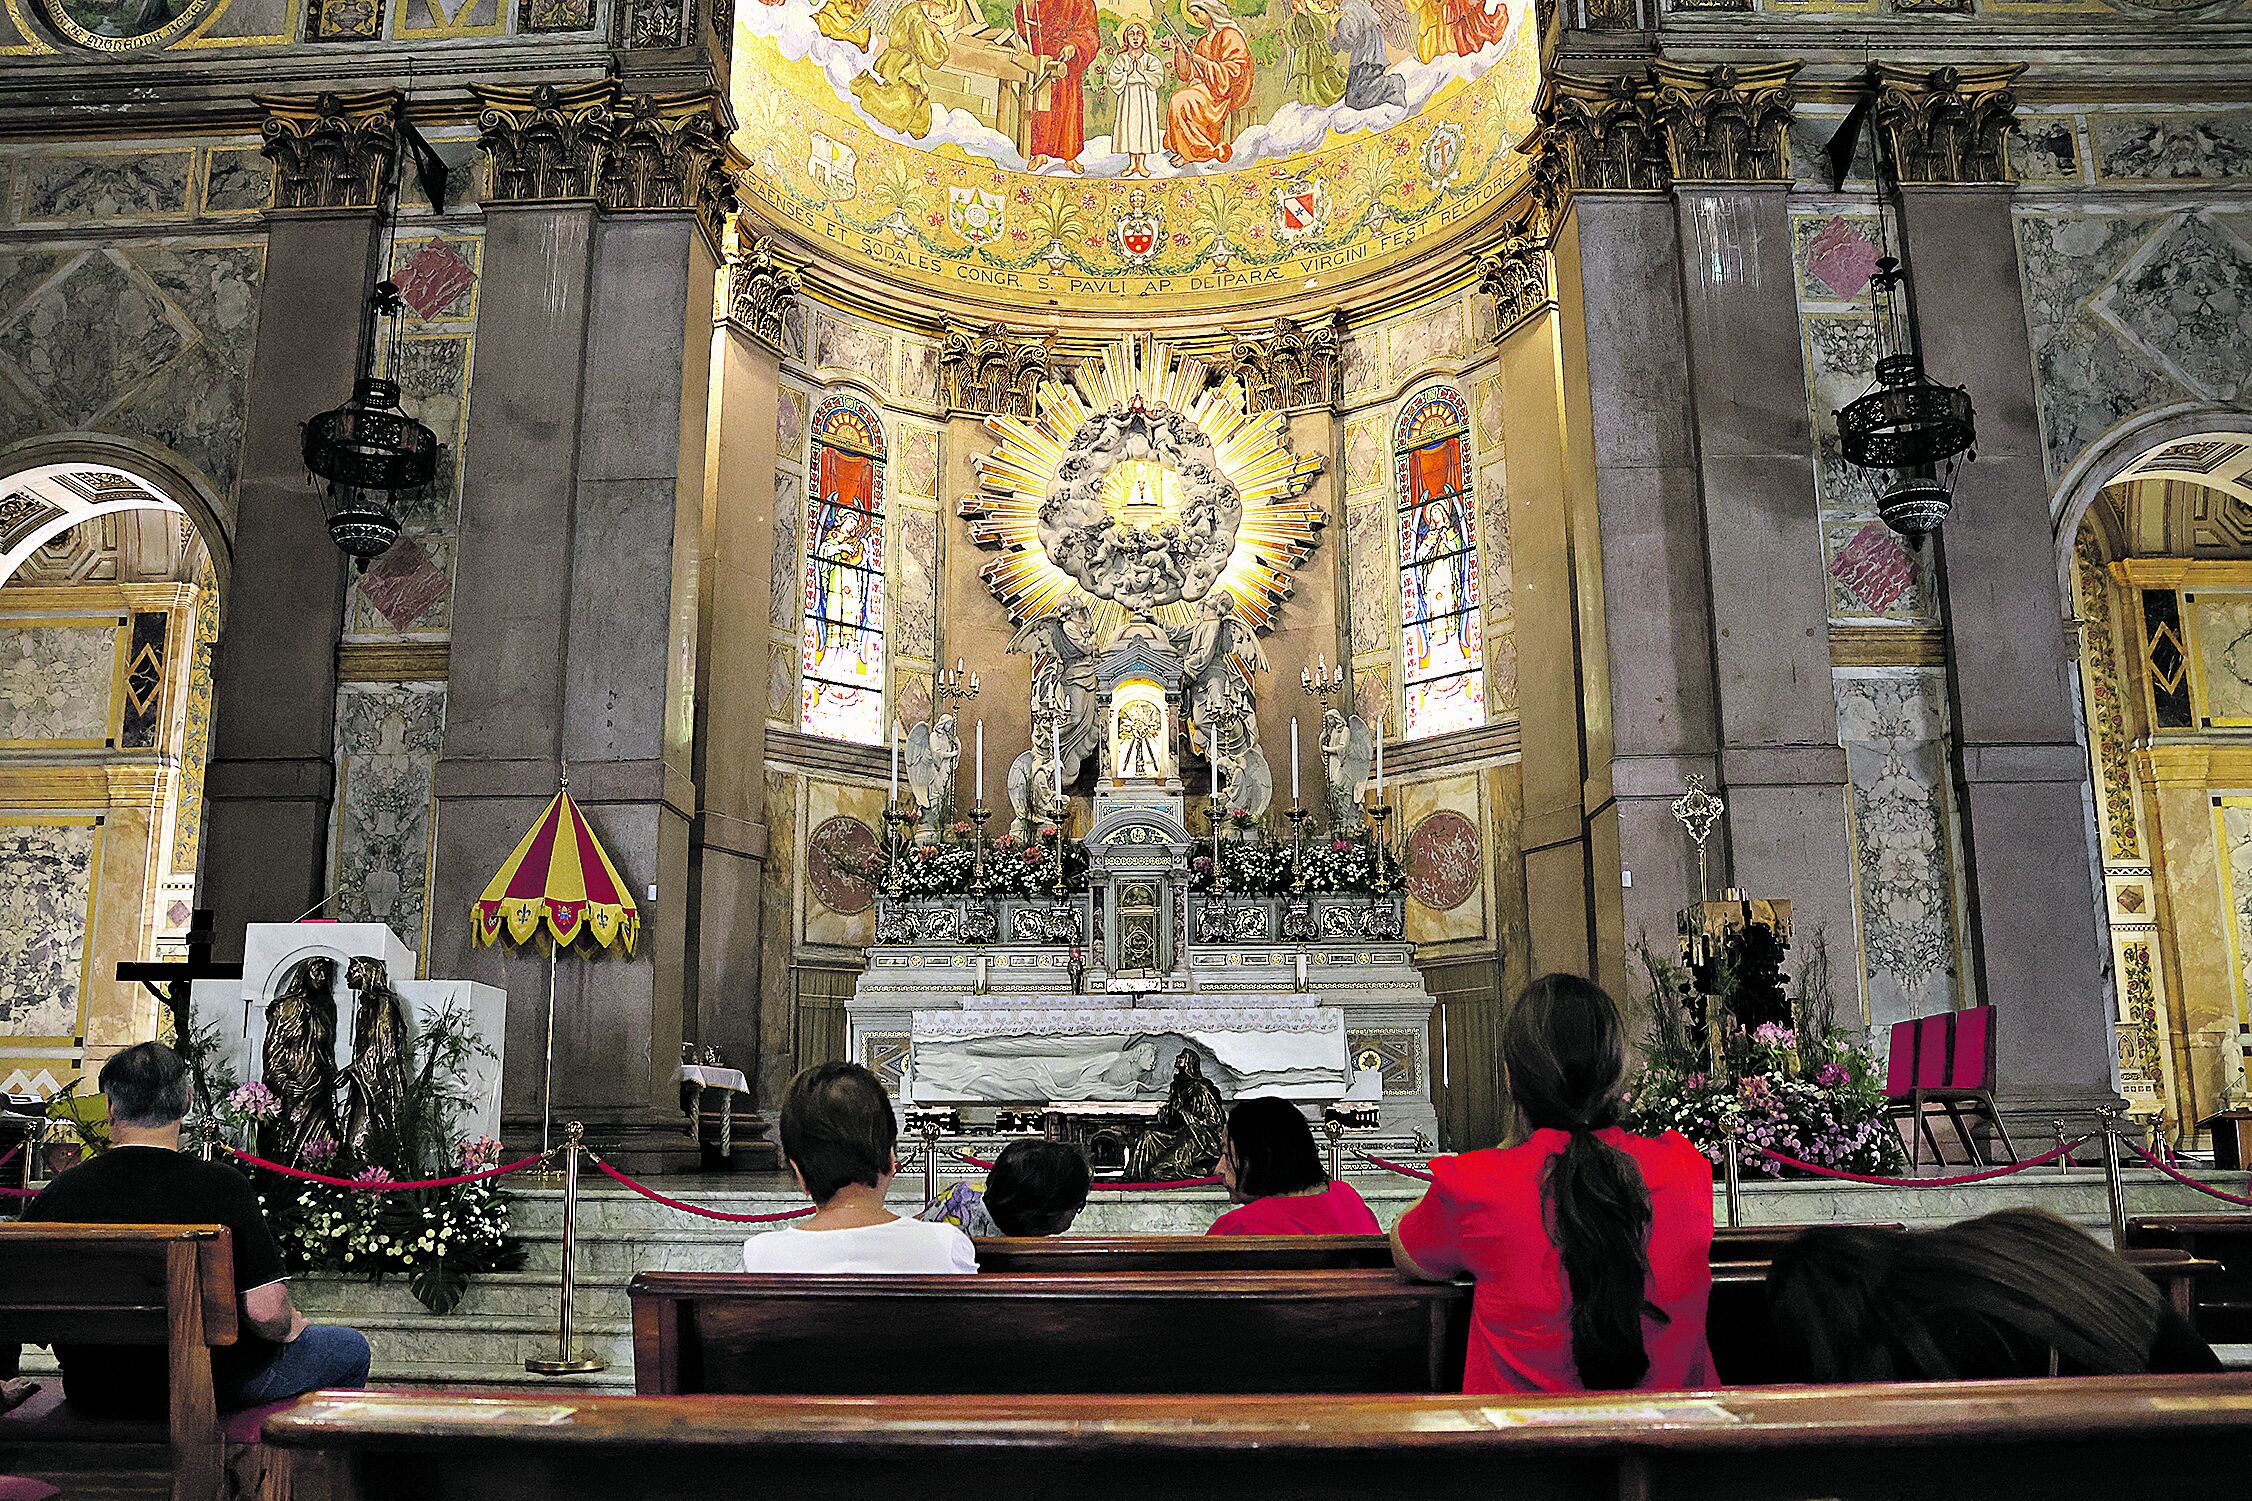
2158,559
108,610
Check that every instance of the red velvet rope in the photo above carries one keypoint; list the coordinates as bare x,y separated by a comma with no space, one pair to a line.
19,1193
13,1153
985,1166
1395,1167
385,1188
1998,1172
684,1207
2185,1179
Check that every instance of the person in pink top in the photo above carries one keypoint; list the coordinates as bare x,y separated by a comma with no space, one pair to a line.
1591,1246
1273,1171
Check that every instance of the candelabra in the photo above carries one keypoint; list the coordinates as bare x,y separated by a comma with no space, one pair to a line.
896,819
953,685
1380,815
1055,854
1324,680
1298,817
978,816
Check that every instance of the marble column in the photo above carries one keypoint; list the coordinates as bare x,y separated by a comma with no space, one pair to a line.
1559,880
2020,774
1782,769
1633,496
272,772
734,1012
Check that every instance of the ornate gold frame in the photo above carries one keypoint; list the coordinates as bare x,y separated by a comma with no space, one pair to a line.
53,13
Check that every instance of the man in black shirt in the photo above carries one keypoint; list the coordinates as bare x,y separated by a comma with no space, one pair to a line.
144,1179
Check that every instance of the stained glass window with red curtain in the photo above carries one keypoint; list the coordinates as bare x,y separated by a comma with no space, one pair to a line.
841,681
1442,644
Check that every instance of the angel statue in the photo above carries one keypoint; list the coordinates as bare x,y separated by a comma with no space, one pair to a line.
1346,750
1218,655
933,751
1062,648
382,1044
299,1060
1032,775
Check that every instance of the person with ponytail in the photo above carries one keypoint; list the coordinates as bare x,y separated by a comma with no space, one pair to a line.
1591,1247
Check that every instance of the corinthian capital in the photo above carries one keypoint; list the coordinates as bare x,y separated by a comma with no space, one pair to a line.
1948,124
762,294
1595,135
544,144
995,371
331,151
1515,273
1725,123
1292,366
667,153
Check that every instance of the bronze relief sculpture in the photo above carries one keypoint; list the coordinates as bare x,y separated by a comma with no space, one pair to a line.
1184,1139
381,1044
298,1061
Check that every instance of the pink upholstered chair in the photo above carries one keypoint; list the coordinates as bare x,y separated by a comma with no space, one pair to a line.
1947,1061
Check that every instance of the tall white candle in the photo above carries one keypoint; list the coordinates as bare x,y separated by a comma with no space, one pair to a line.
1380,758
981,763
1294,758
895,763
1055,754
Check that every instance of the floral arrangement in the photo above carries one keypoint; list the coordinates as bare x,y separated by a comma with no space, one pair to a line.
436,1238
1338,862
1808,1089
948,865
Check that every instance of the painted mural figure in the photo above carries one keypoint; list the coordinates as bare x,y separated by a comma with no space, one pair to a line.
1137,76
1444,27
1216,82
844,21
1064,31
1317,73
895,91
1369,83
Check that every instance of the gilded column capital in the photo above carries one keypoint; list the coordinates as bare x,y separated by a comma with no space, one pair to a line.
994,371
331,150
544,144
762,296
1515,272
1725,123
1948,125
1595,134
1292,366
667,152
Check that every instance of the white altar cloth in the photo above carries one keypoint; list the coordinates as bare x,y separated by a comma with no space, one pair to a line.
1035,1055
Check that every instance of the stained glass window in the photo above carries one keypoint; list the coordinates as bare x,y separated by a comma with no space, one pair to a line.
1442,643
841,683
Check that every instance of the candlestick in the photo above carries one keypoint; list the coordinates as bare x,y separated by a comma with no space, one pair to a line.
978,816
1294,758
1055,754
1298,817
1380,758
1219,870
893,798
981,763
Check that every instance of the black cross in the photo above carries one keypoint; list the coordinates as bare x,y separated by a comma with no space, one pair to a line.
172,980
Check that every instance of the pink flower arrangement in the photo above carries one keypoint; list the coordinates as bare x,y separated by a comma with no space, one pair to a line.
254,1101
479,1153
372,1176
317,1151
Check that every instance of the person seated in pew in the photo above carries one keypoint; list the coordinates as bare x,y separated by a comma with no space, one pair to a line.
838,1141
1273,1171
2017,1293
145,1179
1036,1188
1591,1247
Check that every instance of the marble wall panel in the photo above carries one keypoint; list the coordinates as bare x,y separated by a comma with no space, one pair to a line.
2047,148
918,371
46,890
2220,630
782,682
1445,843
236,180
56,683
388,736
1894,727
823,801
1436,333
918,462
2207,146
786,602
1365,441
82,187
849,345
914,628
789,425
1368,553
195,735
2236,839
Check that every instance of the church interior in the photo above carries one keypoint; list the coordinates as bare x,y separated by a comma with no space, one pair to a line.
577,573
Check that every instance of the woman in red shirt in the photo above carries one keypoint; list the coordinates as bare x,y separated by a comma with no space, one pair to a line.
1271,1167
1591,1247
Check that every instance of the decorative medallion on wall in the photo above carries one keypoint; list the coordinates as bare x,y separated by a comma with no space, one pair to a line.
837,858
1143,487
124,25
1392,1052
1443,863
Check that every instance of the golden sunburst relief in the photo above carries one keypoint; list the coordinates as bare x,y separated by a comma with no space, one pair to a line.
1278,530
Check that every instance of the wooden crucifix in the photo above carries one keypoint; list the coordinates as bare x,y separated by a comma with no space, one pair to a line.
172,981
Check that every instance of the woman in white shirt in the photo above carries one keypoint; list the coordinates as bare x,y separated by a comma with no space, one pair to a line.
838,1140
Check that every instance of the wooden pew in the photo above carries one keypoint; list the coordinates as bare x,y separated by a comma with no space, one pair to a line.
1322,1331
163,1285
1998,1441
2223,1311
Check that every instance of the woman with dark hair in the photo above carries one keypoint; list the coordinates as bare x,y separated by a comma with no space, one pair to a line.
1591,1247
1036,1188
2017,1293
1273,1171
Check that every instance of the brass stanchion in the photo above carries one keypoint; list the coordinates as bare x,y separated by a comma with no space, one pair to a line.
2064,1163
2108,1124
565,1362
1334,1129
1733,1166
930,1134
